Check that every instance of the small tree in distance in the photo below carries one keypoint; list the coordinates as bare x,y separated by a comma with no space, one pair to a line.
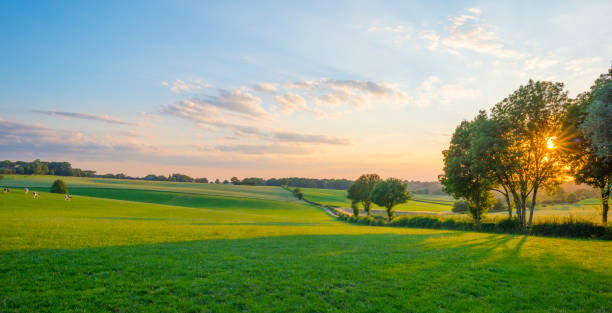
360,190
388,193
59,187
298,193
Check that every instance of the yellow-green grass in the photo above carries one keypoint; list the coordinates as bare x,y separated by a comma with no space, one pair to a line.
588,209
338,198
45,181
93,255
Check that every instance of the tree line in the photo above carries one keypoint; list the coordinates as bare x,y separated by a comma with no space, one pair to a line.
531,141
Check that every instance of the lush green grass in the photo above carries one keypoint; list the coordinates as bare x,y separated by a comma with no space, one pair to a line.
257,192
338,198
93,254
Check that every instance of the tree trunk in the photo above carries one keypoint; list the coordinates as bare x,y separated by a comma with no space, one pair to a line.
533,203
605,196
477,213
366,207
509,205
390,213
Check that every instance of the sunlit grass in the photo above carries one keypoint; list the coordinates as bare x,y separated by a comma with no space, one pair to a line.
210,253
338,198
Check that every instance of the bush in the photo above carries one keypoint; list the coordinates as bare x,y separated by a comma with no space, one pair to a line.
556,227
499,206
572,198
460,206
59,187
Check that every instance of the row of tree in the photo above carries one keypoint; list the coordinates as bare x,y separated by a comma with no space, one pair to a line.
370,188
532,140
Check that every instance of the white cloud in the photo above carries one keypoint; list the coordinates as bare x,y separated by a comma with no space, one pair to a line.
86,116
291,102
467,32
266,87
433,91
186,86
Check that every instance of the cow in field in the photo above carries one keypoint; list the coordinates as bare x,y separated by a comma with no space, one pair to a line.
26,190
67,197
35,194
6,190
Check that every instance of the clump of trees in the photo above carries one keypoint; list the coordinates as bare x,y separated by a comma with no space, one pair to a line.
59,186
370,188
360,192
529,142
297,192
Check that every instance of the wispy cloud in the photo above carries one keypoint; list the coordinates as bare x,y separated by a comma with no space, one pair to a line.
266,87
186,86
86,116
468,32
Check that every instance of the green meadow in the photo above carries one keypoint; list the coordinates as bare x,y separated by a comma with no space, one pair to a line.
45,181
337,198
125,250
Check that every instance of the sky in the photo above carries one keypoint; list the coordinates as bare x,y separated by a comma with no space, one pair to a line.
323,89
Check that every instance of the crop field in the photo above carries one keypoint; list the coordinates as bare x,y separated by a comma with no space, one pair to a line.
338,198
152,250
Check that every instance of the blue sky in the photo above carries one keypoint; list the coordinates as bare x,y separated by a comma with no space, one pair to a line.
317,89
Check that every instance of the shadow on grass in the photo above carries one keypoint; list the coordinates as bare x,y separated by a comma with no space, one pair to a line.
451,271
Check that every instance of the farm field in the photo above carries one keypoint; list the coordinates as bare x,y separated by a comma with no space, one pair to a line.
45,181
338,198
186,252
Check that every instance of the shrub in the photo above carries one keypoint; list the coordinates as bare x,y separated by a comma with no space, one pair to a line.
499,206
572,198
298,193
460,206
557,227
59,187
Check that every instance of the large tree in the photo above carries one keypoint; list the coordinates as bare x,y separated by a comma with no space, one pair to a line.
465,174
531,119
360,191
589,162
389,193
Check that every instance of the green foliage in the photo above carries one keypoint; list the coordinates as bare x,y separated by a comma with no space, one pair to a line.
389,193
59,186
465,174
297,192
589,148
460,206
361,189
355,207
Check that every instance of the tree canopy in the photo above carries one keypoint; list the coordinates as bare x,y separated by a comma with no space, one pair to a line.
389,193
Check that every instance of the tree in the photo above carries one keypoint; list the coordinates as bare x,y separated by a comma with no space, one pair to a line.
466,174
597,123
235,180
388,193
59,187
531,120
298,193
360,190
355,207
589,165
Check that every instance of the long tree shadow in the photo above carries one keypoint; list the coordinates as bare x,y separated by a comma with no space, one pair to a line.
450,271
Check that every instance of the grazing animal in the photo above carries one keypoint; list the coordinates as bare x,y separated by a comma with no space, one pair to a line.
67,197
26,190
35,194
6,190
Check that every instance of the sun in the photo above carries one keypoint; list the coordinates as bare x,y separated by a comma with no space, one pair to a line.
550,143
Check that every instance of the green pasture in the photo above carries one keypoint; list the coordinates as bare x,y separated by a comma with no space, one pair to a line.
128,250
45,181
338,198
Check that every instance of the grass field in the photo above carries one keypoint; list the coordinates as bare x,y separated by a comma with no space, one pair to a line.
338,198
45,181
191,253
